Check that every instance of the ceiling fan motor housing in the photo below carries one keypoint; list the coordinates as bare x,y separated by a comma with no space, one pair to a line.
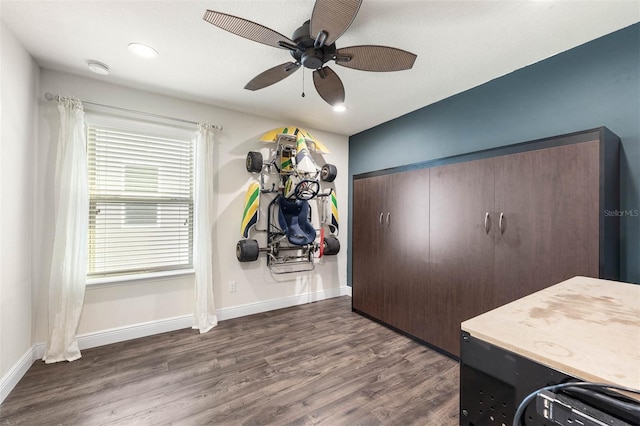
306,54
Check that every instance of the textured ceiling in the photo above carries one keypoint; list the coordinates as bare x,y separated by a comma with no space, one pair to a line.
460,44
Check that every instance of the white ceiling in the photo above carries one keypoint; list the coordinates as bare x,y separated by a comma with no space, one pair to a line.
460,44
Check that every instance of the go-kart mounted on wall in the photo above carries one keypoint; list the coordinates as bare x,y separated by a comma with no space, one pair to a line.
289,179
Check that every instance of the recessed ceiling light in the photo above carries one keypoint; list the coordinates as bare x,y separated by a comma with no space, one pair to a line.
98,67
143,50
339,108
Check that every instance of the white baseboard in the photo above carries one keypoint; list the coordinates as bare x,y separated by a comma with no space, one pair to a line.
15,373
135,331
283,302
121,334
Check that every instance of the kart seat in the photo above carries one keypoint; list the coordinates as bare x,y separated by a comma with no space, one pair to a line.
293,217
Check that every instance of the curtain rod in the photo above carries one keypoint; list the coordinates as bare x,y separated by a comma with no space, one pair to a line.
48,96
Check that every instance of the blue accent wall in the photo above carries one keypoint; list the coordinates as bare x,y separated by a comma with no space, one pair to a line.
595,84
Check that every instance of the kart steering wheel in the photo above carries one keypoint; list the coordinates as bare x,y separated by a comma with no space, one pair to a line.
307,189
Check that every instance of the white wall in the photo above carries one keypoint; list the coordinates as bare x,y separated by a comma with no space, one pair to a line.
123,304
17,154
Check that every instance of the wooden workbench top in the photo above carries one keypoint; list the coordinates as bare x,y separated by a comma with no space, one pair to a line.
585,327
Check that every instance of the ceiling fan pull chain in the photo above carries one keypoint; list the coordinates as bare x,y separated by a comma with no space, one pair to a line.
303,82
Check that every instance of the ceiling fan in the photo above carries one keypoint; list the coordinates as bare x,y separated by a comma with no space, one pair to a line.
313,45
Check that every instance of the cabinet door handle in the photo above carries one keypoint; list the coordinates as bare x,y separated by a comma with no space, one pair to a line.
388,216
486,222
502,222
381,216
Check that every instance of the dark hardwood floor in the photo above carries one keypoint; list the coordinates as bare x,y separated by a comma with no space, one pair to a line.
318,363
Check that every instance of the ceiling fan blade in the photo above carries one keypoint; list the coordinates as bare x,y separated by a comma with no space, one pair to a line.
375,58
272,75
247,29
329,86
333,17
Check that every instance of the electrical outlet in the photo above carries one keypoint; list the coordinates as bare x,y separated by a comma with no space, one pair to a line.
232,286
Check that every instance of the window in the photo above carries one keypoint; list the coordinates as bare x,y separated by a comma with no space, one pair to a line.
140,178
141,201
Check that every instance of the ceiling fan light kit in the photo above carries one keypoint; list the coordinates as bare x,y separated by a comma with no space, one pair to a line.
313,45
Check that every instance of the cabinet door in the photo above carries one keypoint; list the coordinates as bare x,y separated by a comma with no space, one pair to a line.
405,262
549,199
368,213
461,251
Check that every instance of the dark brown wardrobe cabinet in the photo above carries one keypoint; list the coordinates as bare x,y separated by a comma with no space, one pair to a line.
392,248
451,239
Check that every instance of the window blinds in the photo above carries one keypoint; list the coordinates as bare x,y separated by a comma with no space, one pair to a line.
141,202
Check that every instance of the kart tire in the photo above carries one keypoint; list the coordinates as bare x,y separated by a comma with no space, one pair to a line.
247,250
328,173
331,245
254,162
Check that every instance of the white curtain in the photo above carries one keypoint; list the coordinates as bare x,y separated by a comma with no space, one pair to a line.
71,214
205,314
